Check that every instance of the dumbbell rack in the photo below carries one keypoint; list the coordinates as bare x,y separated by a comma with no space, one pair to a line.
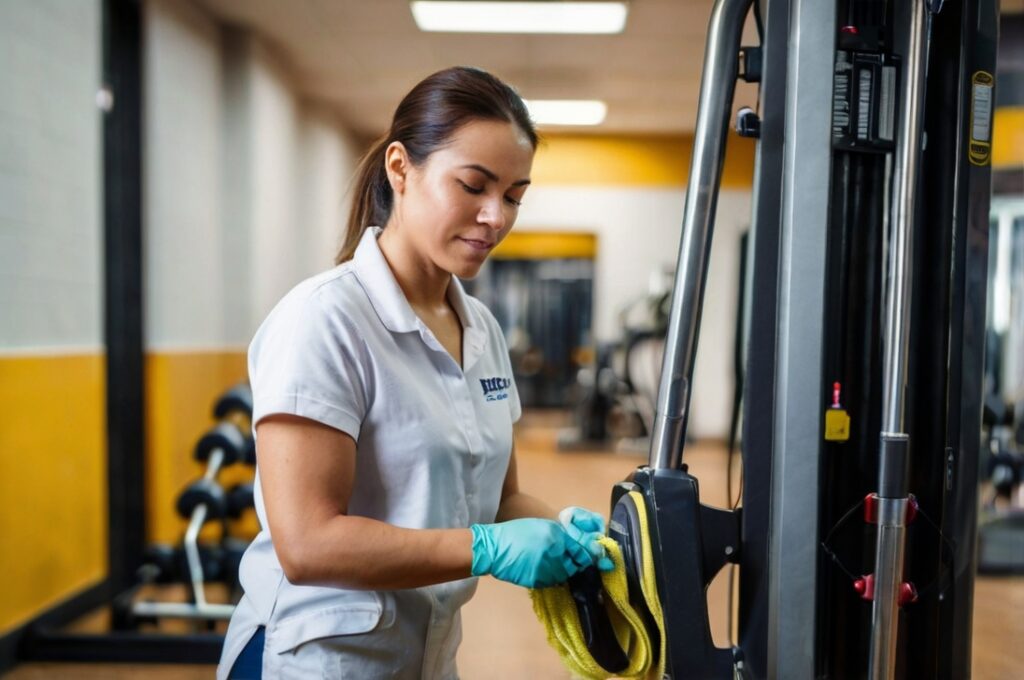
200,608
48,637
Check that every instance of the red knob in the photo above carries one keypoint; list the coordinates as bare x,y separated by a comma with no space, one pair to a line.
908,593
912,507
852,30
865,587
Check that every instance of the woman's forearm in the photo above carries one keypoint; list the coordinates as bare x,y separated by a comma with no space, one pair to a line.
519,505
366,554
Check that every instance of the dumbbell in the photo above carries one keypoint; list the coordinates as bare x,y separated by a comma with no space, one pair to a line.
238,399
239,499
226,439
248,456
160,564
202,497
232,551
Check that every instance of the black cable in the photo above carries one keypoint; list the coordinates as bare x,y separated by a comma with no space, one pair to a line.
737,410
935,585
758,21
835,527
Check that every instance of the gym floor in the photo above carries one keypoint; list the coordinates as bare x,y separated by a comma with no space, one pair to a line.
502,638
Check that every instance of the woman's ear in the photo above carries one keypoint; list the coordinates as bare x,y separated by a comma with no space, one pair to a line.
397,165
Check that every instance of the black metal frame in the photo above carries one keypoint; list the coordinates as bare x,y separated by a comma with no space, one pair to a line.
944,382
759,380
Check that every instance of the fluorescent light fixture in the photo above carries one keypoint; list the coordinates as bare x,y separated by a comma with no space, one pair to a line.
567,111
520,17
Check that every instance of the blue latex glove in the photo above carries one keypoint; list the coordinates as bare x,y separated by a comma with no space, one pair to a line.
533,553
585,527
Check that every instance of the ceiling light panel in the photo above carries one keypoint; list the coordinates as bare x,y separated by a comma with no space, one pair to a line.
520,17
567,112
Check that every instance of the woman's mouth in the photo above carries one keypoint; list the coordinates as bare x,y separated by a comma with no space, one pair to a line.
482,246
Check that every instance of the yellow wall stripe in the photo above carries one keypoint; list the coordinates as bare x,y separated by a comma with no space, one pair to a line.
1008,137
533,245
633,160
53,481
180,392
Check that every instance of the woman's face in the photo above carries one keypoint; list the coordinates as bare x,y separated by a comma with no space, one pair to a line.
463,200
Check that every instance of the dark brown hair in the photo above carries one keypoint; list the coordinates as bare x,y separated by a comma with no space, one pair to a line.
424,122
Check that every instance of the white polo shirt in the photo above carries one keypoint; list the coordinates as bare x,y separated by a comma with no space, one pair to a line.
433,441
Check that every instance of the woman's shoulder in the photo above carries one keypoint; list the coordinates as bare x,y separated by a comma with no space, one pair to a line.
332,294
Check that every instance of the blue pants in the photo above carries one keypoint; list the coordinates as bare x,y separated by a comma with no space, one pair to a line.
249,664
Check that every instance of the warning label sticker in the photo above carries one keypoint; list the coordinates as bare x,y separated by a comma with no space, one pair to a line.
982,86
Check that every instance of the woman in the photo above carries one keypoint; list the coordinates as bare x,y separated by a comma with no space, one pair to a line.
383,411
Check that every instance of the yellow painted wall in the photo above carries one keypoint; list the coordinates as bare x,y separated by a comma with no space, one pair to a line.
634,160
180,391
53,481
536,245
1008,137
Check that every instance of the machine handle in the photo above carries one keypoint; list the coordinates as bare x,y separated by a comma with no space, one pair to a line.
721,68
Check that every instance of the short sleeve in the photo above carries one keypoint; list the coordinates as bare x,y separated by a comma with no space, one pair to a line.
307,360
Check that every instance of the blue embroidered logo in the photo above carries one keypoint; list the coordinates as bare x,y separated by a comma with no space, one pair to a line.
495,389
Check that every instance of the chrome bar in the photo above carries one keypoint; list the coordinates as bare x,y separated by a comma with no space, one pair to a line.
888,577
195,566
184,610
893,441
721,63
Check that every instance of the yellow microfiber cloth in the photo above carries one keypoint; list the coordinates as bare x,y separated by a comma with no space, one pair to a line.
557,611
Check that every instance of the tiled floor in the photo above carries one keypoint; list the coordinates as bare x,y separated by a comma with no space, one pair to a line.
504,641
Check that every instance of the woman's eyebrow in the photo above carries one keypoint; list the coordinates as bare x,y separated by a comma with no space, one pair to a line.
491,176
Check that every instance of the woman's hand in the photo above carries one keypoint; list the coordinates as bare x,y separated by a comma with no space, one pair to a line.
533,553
585,527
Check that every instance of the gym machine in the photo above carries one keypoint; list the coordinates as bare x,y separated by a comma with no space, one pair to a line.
863,360
616,393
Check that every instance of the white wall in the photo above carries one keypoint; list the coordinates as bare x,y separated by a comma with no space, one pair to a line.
51,234
327,162
638,231
182,205
244,180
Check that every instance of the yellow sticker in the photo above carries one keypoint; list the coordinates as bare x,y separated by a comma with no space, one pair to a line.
837,425
982,89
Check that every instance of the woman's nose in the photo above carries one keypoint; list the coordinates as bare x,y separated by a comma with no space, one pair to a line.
492,215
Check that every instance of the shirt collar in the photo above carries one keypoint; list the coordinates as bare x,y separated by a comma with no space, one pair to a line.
385,295
474,336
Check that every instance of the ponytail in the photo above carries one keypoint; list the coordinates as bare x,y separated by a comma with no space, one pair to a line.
371,200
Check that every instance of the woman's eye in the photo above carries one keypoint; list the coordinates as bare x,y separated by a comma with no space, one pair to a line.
471,190
513,201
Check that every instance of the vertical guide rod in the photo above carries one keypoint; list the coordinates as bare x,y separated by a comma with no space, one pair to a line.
721,64
894,442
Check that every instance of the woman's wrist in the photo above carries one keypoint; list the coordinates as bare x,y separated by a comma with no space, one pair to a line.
520,505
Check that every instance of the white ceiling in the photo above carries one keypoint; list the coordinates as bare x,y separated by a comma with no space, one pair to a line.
362,56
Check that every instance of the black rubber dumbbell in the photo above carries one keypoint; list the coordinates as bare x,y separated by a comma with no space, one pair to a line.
226,437
240,498
160,564
238,399
203,492
233,548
